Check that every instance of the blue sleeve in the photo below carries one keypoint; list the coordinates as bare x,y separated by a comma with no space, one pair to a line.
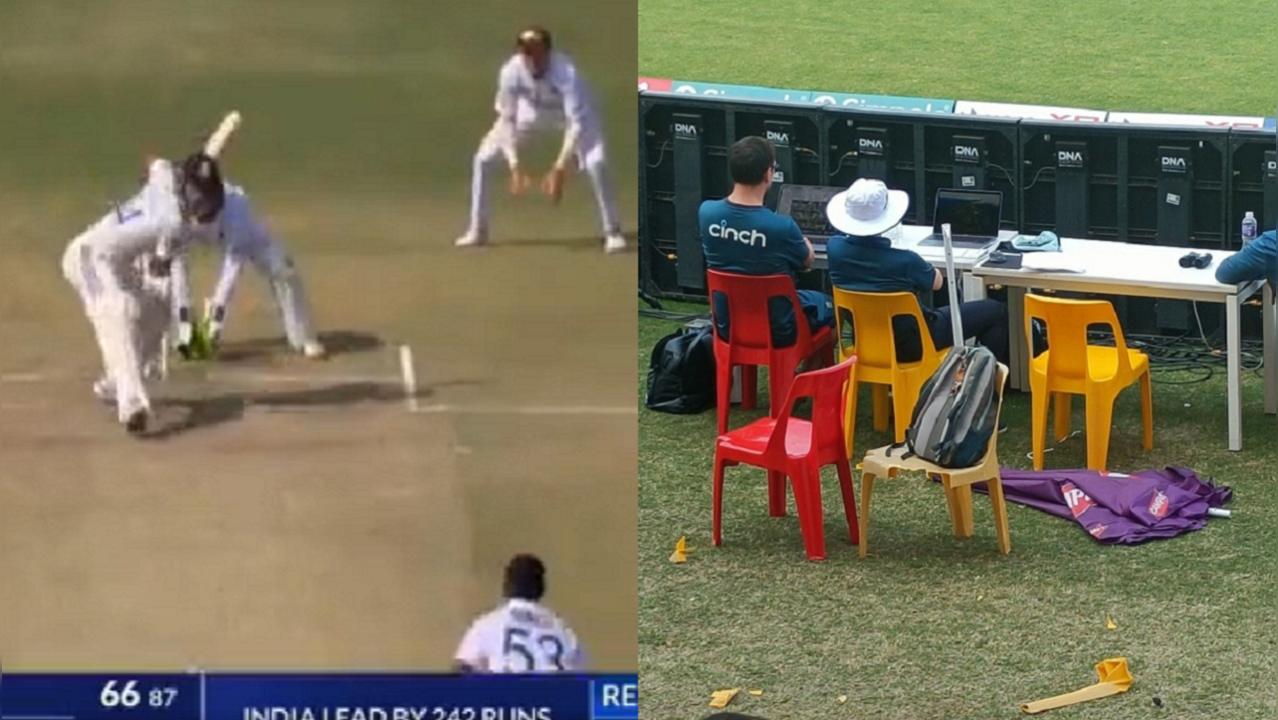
701,226
922,275
1252,263
796,248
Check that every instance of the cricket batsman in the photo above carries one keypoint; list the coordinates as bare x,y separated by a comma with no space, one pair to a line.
108,265
539,90
242,239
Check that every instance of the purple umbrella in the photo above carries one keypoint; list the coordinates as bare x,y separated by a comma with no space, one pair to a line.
1115,508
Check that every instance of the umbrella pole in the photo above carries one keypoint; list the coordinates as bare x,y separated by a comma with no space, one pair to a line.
956,322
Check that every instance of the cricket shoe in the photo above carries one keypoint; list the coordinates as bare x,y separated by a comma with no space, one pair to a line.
472,238
614,244
136,424
314,350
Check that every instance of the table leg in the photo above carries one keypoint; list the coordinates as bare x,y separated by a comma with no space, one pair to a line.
1233,358
1270,316
1017,350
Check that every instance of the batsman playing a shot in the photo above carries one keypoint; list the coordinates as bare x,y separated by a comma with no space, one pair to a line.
243,239
108,267
539,90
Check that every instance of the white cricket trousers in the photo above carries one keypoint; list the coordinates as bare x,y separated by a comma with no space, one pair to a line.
277,267
590,159
128,318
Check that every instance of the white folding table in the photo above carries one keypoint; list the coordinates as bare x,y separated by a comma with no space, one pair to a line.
1115,268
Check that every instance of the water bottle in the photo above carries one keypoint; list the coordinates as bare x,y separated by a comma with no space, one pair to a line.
1248,228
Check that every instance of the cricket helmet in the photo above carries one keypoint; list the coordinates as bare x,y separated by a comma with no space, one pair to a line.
200,187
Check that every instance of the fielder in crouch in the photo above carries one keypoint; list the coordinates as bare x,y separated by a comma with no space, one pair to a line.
539,90
108,265
243,239
522,635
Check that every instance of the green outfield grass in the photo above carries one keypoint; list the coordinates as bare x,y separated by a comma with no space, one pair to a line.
1134,55
929,626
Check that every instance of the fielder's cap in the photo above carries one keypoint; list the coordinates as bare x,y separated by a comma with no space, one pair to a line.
867,208
534,36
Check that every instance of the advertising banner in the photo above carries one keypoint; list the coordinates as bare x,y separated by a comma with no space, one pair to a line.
739,92
1029,112
654,84
884,102
1170,119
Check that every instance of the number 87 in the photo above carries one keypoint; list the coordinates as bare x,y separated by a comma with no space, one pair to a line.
517,643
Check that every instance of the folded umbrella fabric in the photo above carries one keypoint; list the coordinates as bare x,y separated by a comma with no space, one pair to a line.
1115,508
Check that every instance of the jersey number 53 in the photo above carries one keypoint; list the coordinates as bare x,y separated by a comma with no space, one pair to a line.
533,652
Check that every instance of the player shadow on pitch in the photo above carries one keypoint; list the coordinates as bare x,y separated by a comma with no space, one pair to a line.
578,244
210,412
338,342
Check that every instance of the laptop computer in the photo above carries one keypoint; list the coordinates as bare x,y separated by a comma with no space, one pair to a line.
806,204
973,216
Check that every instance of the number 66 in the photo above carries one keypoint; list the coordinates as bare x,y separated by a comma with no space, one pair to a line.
127,697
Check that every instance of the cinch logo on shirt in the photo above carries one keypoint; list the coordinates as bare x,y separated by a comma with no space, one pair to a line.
1158,505
1076,499
1097,530
748,237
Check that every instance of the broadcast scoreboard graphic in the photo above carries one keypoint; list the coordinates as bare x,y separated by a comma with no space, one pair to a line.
236,696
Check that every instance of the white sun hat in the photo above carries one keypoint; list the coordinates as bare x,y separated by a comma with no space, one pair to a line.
867,208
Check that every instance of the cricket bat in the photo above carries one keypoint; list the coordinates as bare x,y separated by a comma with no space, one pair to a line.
217,141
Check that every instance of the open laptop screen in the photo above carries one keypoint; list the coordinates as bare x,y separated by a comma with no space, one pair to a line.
969,212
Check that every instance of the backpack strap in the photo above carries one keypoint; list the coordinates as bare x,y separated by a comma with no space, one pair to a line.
897,446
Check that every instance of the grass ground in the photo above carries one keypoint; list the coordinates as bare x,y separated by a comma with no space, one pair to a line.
929,626
300,519
934,627
1176,56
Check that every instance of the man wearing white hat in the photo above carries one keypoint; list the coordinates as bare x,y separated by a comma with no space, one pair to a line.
864,260
740,235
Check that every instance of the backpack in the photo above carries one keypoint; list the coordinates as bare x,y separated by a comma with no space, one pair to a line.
681,376
957,410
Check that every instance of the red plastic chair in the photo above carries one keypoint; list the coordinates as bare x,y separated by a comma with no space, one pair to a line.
798,448
750,340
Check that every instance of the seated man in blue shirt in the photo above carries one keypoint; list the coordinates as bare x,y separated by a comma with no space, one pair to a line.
739,235
865,261
1258,260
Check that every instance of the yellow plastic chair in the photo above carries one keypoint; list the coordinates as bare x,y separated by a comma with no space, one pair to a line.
1073,367
875,349
957,483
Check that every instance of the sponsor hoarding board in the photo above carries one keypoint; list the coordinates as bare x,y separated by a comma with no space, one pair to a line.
654,84
1028,112
1176,120
884,102
745,92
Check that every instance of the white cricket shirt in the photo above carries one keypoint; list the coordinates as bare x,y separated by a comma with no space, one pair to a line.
149,222
560,96
235,228
520,637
